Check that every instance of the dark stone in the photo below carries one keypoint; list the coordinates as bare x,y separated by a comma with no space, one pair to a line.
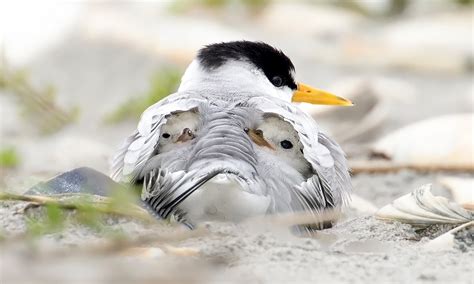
80,180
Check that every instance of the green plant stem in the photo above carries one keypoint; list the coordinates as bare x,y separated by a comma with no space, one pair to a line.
104,207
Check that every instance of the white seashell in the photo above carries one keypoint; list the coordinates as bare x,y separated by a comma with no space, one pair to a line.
444,142
446,240
421,208
462,189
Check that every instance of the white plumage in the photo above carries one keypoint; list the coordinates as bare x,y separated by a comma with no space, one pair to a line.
276,131
221,174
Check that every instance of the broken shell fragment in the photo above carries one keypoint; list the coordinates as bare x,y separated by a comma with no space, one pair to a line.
421,209
447,240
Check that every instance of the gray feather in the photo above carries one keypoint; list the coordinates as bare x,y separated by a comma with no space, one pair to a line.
221,146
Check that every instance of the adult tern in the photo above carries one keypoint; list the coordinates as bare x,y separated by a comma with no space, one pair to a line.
165,149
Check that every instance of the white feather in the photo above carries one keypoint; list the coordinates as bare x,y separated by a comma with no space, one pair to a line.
238,82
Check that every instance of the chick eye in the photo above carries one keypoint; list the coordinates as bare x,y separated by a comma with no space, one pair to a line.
285,144
277,81
166,135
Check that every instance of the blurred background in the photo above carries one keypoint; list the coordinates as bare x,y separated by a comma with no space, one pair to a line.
76,75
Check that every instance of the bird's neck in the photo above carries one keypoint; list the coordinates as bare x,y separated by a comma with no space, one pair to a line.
231,78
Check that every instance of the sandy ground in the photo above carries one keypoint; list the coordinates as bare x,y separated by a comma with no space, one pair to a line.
359,249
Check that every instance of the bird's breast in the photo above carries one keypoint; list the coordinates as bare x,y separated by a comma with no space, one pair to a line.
223,198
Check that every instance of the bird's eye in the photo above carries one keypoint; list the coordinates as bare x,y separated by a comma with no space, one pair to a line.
285,144
277,81
166,135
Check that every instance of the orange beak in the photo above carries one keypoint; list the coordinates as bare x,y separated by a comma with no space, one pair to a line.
308,94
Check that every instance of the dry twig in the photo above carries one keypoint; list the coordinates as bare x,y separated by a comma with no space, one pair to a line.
378,167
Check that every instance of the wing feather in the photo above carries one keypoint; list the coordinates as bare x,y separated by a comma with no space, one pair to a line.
330,186
138,148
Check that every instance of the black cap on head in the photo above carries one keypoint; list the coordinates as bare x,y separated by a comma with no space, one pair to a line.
276,66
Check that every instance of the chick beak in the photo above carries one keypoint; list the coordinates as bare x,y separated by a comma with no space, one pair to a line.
308,94
256,135
186,135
